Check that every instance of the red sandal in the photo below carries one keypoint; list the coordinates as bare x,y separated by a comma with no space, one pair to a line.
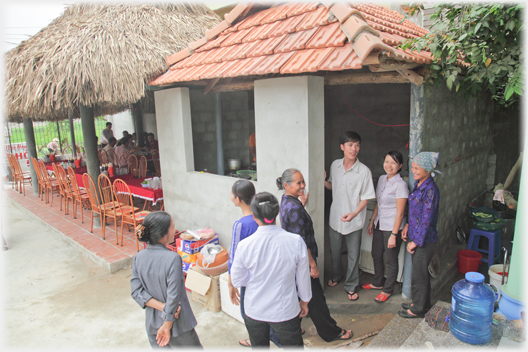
368,286
381,298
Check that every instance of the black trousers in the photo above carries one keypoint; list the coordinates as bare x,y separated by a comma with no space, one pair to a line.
289,332
320,314
187,340
380,241
420,281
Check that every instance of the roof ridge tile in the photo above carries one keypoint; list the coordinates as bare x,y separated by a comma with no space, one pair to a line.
366,42
232,15
354,25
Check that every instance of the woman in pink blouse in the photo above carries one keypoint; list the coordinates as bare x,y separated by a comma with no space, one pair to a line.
386,224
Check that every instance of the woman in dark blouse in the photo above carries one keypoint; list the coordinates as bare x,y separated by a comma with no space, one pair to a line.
158,287
421,232
295,219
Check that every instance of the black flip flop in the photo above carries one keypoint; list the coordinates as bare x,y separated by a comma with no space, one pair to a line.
351,294
343,333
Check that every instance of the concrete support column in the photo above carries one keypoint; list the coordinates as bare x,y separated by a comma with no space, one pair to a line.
138,123
289,125
72,135
90,142
173,111
31,149
415,147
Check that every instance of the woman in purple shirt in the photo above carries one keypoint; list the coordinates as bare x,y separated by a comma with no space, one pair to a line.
242,193
385,225
421,232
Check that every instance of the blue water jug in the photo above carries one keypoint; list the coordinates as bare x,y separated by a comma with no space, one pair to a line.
471,309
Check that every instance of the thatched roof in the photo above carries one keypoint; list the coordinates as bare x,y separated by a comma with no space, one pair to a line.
98,55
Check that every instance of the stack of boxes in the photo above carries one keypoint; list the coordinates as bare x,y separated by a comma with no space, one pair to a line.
187,249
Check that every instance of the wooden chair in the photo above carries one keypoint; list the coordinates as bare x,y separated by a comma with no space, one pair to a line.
123,160
156,162
21,177
125,204
108,206
62,193
94,202
79,197
51,184
103,157
67,152
12,169
68,191
38,171
111,156
142,171
133,165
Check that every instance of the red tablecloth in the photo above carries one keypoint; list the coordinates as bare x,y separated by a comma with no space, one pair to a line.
146,193
125,178
77,170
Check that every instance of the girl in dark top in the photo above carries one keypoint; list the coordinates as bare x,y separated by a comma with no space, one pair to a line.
158,286
295,219
242,192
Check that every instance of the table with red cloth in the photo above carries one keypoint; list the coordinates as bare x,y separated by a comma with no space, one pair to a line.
149,194
79,171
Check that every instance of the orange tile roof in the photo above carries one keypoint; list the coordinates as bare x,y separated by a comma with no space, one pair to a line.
294,38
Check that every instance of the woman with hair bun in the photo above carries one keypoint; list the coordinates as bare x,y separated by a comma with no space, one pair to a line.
242,192
158,286
386,225
295,219
273,266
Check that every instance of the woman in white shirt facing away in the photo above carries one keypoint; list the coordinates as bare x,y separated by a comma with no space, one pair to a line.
273,266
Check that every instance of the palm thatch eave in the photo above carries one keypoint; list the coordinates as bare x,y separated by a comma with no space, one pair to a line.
98,55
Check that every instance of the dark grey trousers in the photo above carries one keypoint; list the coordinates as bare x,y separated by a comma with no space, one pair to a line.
420,281
353,243
188,339
380,241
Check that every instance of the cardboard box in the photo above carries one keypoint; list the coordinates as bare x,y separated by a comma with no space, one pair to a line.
205,289
187,258
227,306
193,247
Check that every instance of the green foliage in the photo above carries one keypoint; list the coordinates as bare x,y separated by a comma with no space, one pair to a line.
476,48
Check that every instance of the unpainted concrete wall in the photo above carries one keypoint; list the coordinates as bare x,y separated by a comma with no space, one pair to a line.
238,122
149,124
460,131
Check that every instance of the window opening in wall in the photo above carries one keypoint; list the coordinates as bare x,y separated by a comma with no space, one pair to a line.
238,144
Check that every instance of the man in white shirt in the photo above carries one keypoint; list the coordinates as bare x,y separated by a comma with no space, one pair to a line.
273,266
109,149
106,134
352,187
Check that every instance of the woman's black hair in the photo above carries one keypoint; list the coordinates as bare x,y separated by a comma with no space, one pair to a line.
397,157
265,207
154,227
244,190
287,178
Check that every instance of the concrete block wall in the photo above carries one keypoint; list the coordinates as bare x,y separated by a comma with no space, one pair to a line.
237,120
385,104
459,130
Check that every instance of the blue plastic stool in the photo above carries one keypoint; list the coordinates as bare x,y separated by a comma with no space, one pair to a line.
493,251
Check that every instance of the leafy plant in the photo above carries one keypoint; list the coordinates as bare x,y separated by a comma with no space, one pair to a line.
475,48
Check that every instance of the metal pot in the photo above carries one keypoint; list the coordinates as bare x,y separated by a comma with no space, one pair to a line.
233,164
